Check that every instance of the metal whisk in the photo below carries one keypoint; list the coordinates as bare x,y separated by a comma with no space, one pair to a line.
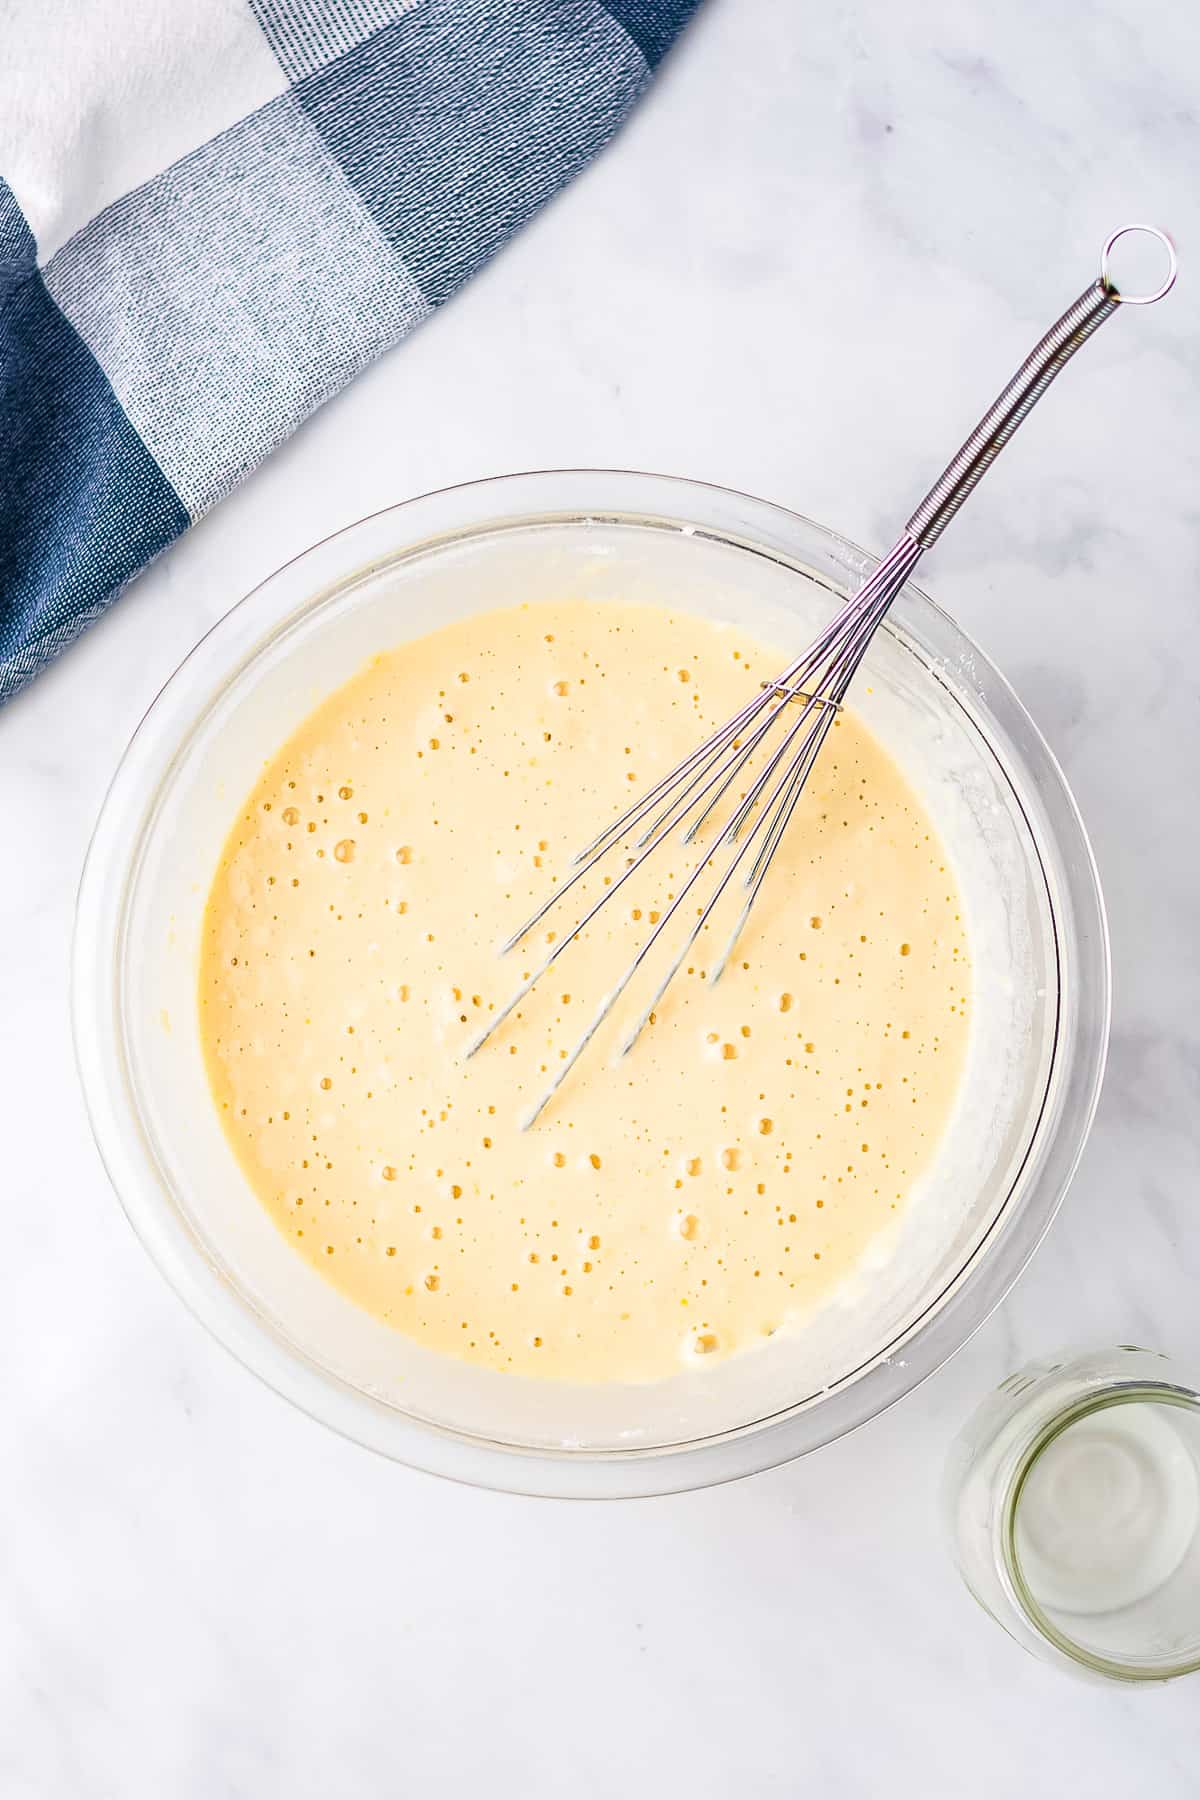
805,697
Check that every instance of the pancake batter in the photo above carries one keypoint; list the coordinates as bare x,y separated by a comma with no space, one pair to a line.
668,1210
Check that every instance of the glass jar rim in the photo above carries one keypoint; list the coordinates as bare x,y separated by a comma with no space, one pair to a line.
1099,1400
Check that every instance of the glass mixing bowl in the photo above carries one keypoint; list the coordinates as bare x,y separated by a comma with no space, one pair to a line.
1029,884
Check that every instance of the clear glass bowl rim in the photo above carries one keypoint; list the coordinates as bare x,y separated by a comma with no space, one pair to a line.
567,496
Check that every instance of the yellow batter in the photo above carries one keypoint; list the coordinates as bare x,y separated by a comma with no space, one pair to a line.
666,1210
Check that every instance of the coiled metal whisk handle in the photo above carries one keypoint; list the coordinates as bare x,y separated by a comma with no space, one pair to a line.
1084,316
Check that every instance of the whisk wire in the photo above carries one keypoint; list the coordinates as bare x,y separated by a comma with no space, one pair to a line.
832,659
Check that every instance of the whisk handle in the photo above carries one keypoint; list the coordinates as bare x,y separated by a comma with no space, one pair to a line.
1084,316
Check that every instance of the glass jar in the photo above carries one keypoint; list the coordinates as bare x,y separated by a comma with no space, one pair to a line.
1073,1501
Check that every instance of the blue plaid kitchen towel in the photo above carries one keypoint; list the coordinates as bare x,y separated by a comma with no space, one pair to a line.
216,212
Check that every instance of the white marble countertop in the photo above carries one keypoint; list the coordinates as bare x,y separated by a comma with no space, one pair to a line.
824,239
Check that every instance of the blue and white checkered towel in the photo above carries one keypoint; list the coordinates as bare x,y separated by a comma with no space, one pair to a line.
218,211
